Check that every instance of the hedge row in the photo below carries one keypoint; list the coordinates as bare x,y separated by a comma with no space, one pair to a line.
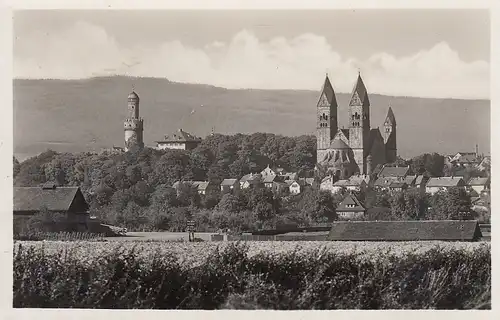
231,279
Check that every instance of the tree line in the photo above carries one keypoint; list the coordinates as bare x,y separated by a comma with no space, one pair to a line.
133,189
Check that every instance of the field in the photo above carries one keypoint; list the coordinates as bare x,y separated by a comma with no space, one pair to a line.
196,253
253,275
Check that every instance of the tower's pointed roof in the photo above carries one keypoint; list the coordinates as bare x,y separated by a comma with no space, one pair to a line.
133,95
359,96
327,96
390,117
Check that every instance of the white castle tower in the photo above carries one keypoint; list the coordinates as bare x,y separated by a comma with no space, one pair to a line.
133,125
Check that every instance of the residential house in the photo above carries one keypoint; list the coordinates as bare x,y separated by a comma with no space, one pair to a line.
202,187
465,159
310,182
268,172
290,176
327,183
280,187
420,183
269,180
250,180
180,140
296,186
443,183
479,184
397,186
384,183
355,183
229,185
55,199
410,180
350,208
338,186
485,164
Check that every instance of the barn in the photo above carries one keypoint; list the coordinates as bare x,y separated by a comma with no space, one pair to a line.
52,199
444,230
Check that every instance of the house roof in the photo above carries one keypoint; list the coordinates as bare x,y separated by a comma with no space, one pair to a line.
444,182
359,92
340,183
467,158
419,179
180,136
350,200
299,182
309,181
478,181
201,185
250,176
405,230
228,182
272,178
36,198
385,181
354,182
327,95
398,184
394,171
410,180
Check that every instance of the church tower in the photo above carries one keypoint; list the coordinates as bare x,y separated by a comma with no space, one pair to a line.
390,136
326,119
134,124
359,124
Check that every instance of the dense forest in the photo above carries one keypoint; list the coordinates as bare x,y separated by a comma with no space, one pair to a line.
133,189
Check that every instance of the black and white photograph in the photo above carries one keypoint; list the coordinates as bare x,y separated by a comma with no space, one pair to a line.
244,159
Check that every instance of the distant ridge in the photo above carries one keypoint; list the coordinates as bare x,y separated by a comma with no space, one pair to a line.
88,114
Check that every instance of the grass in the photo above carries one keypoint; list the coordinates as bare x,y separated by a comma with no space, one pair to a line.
252,276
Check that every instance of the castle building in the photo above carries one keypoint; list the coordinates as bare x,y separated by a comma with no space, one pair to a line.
359,148
134,124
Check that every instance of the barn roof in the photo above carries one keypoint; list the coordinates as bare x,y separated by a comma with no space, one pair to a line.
36,198
405,230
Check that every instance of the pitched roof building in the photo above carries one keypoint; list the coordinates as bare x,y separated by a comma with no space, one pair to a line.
30,200
350,208
180,140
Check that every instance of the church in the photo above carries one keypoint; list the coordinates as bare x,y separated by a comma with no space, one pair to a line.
359,148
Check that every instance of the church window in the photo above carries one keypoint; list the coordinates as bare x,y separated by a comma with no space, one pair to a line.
357,116
336,156
337,173
346,173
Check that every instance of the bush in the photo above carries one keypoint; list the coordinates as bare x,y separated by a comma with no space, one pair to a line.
230,278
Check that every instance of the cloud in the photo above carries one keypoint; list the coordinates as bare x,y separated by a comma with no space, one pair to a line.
87,50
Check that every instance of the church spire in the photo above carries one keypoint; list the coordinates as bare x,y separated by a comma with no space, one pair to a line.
359,96
390,117
327,96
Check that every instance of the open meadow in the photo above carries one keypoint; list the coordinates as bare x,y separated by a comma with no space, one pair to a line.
252,275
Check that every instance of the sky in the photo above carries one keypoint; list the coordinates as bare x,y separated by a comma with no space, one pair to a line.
422,53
